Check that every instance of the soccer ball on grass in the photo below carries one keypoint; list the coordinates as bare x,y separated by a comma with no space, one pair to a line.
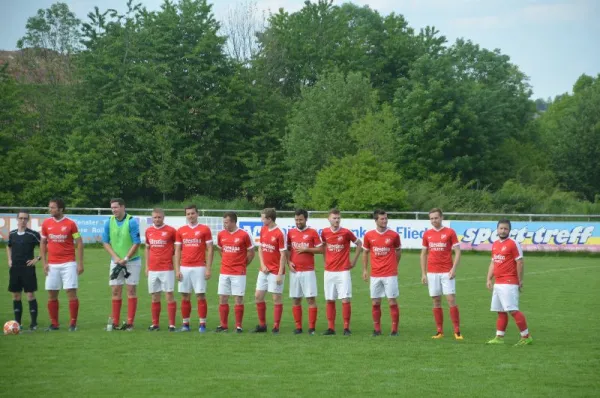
11,327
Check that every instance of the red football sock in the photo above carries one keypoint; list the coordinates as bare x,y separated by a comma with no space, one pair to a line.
186,310
455,316
521,323
202,310
297,312
312,317
53,312
74,311
261,309
376,312
239,315
438,315
172,311
224,313
501,323
131,309
395,315
155,313
331,315
116,311
346,313
277,311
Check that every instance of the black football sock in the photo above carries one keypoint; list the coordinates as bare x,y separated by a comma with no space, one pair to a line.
33,311
18,310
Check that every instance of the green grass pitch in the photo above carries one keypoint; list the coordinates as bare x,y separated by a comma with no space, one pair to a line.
560,300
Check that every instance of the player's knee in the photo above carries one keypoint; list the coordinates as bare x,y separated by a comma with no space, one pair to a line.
346,300
201,296
30,296
185,296
437,302
239,300
72,294
310,300
131,291
392,301
16,296
277,298
376,301
259,296
223,299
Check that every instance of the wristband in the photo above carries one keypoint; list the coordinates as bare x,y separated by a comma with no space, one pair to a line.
126,258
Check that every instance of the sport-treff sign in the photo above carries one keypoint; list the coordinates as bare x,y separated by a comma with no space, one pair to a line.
533,236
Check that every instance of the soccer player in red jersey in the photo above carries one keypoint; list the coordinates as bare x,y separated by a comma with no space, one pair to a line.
160,247
237,252
272,270
303,243
62,268
193,261
338,281
383,245
506,268
438,270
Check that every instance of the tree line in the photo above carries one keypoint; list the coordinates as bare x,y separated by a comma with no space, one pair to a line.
332,105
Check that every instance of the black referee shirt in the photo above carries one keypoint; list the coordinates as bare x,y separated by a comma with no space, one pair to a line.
22,245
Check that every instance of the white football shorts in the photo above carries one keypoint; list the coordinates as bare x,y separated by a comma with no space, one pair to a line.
232,285
303,284
268,282
505,298
439,283
192,278
134,267
62,276
338,285
384,286
161,281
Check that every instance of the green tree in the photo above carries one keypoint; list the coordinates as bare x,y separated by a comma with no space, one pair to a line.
570,129
318,128
358,182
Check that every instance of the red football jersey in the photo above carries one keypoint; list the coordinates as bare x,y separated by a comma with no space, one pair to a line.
161,243
234,246
272,243
505,254
439,244
193,241
382,247
306,238
337,249
60,236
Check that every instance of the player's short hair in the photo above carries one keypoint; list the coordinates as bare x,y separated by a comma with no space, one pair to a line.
231,215
23,211
504,221
436,210
120,201
377,213
301,212
158,210
190,207
59,203
334,211
270,213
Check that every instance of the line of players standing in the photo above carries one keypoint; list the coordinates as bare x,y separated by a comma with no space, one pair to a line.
187,254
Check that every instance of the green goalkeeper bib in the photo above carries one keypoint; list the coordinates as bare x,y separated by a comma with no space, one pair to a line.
120,238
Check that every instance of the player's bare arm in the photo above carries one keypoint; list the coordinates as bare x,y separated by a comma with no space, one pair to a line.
79,243
209,260
452,272
365,264
424,266
398,256
282,263
291,265
249,256
313,250
9,255
490,276
520,271
44,254
263,268
32,262
177,263
146,256
359,250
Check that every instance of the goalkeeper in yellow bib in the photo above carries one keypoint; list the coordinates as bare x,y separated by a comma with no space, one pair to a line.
121,239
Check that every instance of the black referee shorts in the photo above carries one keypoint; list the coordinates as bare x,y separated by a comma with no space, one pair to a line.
22,278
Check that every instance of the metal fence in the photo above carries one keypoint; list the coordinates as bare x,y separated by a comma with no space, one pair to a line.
416,215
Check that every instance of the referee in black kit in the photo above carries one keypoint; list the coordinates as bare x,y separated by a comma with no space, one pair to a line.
21,262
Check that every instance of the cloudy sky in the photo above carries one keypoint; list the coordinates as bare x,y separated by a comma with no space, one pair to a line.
552,41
